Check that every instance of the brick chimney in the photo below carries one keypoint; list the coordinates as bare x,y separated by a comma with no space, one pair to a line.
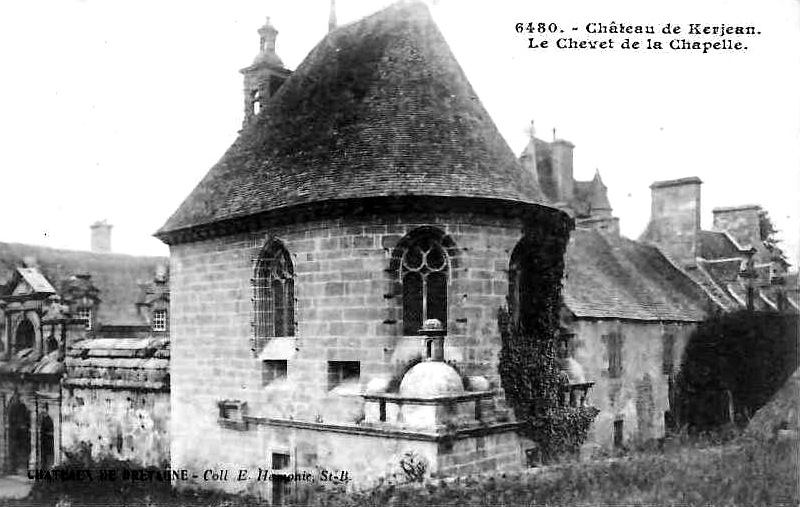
675,219
101,237
741,222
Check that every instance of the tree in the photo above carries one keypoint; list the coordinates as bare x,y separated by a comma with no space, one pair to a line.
733,364
767,230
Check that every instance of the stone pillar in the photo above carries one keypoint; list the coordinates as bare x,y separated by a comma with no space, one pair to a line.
5,323
33,458
3,433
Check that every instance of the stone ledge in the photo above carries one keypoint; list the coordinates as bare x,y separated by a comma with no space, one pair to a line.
352,429
117,384
433,400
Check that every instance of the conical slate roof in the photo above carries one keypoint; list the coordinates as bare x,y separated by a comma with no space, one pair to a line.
379,107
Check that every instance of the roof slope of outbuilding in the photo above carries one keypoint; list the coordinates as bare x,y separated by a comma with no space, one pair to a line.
380,107
117,276
623,279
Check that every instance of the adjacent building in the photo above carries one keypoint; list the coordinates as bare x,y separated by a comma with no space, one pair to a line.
735,263
628,311
84,355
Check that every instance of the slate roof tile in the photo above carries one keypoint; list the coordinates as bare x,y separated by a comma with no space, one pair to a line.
624,279
379,107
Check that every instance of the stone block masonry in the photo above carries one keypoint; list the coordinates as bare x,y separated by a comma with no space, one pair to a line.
348,307
122,424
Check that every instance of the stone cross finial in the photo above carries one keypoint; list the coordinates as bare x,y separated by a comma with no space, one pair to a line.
531,130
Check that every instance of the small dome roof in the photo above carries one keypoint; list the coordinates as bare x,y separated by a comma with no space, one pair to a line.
429,379
268,57
574,371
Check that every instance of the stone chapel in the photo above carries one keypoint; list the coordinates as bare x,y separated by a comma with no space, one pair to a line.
336,276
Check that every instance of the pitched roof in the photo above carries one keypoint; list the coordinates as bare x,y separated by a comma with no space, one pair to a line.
117,276
598,198
717,245
379,107
127,363
36,280
718,294
624,279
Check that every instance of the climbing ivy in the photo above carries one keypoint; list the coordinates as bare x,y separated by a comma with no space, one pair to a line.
529,367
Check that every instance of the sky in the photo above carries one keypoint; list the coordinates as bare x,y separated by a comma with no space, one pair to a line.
115,109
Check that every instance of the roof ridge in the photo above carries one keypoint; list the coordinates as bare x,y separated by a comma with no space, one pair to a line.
80,252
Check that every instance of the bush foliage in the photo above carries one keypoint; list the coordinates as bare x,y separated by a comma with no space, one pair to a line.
745,472
734,363
529,366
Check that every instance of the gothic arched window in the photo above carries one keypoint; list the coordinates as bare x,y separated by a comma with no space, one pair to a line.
273,294
424,267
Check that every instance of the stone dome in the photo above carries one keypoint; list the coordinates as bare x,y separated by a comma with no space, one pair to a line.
429,379
269,58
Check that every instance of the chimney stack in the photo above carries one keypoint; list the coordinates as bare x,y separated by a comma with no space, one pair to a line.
562,156
675,219
101,237
741,222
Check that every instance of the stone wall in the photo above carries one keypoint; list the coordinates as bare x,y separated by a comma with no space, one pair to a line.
479,454
639,397
121,424
348,308
41,399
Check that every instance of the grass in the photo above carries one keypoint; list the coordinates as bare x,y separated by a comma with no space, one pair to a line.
745,471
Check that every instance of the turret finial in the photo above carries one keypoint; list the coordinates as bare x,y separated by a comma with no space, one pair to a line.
332,17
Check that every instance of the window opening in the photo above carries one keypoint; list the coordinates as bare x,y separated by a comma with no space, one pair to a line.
423,272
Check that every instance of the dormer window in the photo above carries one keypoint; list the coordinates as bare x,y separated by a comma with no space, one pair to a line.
85,314
159,320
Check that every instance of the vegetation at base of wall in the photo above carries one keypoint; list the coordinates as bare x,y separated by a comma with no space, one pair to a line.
733,364
529,368
532,370
745,472
82,476
414,466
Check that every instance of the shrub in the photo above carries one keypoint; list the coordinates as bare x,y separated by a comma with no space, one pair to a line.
414,466
734,361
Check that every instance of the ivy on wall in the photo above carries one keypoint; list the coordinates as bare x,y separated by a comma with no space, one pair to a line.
529,367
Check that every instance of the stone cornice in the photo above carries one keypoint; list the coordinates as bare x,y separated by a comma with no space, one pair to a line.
371,206
385,431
